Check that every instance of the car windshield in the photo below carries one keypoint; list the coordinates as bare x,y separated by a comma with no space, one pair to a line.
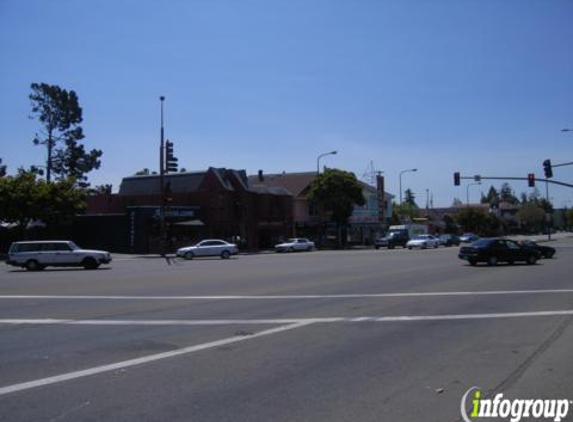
73,246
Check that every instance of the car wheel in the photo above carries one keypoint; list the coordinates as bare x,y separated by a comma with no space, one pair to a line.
492,261
188,255
409,247
291,249
90,264
531,260
225,255
376,247
511,262
472,262
424,246
33,265
436,245
549,255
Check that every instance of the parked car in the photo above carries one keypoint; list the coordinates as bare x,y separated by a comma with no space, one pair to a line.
294,245
423,241
496,250
449,240
37,255
545,251
209,247
392,239
468,238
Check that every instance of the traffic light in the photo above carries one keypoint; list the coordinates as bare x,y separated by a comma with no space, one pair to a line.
457,178
170,159
531,180
547,169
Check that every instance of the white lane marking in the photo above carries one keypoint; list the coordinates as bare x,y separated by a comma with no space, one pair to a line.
143,360
287,297
304,321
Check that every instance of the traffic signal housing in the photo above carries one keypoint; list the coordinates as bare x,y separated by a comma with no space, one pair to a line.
170,159
457,178
548,169
531,180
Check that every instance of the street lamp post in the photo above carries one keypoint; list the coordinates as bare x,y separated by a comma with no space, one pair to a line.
468,192
400,179
319,157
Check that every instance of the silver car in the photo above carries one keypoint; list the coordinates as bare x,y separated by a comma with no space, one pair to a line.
296,244
209,247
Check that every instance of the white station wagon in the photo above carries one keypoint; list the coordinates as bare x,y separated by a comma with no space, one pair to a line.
37,255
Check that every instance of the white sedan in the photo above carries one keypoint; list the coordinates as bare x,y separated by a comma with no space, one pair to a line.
209,247
296,244
423,241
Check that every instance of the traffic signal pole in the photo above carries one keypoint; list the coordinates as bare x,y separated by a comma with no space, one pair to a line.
161,185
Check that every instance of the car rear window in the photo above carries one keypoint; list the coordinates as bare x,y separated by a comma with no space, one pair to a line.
482,243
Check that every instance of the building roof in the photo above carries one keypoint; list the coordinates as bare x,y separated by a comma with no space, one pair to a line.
194,181
295,183
149,185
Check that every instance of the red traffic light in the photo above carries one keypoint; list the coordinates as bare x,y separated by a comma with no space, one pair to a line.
531,180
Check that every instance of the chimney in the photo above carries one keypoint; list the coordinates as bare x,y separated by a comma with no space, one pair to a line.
261,177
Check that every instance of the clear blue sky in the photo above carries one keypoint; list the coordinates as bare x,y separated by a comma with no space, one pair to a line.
477,86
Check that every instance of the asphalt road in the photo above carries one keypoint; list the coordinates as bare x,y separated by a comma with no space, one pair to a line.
324,336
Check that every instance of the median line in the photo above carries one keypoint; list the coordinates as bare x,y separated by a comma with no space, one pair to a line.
291,297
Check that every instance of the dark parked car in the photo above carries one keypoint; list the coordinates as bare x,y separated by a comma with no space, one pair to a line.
545,251
496,250
449,240
393,239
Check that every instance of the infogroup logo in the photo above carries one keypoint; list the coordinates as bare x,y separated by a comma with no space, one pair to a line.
514,410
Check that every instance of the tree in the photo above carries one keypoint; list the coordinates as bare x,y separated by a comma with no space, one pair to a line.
404,212
101,190
506,195
410,198
60,115
492,196
2,169
26,199
145,172
478,221
531,217
336,191
457,202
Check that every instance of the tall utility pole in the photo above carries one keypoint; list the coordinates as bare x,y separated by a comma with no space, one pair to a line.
162,184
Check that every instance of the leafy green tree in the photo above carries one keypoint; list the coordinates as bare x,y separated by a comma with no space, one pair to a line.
2,169
531,217
404,213
569,217
337,192
478,221
26,198
60,115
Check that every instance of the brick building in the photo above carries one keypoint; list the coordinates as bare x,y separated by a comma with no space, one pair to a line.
216,203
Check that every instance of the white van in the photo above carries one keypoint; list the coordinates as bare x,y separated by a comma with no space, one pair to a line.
37,255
